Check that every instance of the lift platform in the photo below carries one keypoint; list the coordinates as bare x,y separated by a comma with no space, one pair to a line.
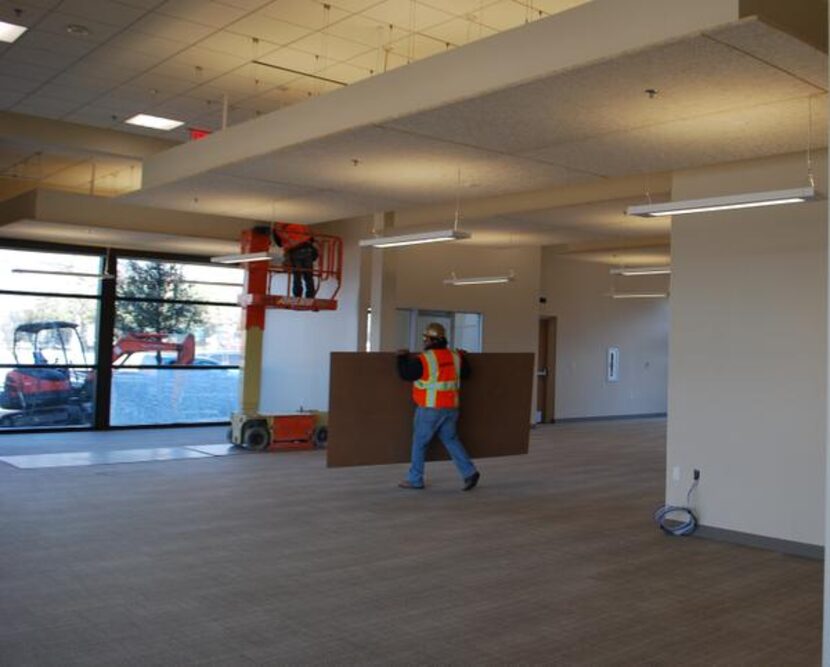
269,283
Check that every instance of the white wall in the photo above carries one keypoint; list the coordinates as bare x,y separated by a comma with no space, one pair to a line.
748,354
297,345
588,323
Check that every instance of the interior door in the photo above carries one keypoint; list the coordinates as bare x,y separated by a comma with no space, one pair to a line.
546,370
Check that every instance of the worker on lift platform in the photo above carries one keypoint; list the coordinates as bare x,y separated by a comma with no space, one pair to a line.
298,244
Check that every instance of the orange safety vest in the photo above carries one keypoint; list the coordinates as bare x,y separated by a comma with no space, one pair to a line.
292,235
441,380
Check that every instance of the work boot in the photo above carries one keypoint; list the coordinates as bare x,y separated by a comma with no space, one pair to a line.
471,481
406,484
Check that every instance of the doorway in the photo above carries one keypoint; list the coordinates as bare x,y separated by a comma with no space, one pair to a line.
546,370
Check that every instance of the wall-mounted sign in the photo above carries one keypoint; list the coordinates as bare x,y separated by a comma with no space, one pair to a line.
612,364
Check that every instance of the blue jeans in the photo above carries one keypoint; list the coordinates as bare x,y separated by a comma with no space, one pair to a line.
443,421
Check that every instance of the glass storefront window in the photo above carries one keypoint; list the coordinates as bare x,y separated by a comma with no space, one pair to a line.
49,305
165,395
175,281
49,272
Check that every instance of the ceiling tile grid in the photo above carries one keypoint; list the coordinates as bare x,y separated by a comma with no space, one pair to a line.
200,42
305,13
769,129
693,77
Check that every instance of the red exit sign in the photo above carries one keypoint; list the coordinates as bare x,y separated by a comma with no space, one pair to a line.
198,133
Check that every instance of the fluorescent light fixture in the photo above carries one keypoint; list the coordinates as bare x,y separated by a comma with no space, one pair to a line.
100,276
9,32
728,202
414,239
154,122
483,280
242,258
641,271
639,295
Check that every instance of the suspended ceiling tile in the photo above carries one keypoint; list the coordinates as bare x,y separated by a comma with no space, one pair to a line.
235,85
306,13
141,4
400,13
610,96
21,55
319,206
417,47
48,107
100,70
206,12
104,11
787,52
71,93
352,6
269,76
459,31
176,69
329,48
268,28
768,129
460,7
141,42
181,108
247,5
164,85
31,15
294,59
172,28
237,44
506,14
345,72
217,193
26,70
392,164
14,84
557,6
212,63
68,46
56,22
9,98
362,29
128,61
139,97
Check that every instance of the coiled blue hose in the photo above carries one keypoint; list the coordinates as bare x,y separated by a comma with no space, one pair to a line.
673,525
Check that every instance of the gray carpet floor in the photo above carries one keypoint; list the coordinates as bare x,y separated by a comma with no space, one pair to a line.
273,559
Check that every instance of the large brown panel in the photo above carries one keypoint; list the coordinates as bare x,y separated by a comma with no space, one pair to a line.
370,409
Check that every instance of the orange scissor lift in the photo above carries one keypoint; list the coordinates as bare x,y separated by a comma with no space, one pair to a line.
268,284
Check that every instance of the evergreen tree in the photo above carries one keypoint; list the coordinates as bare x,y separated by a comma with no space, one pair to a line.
156,280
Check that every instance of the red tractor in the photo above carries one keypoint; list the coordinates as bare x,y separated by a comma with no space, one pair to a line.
37,396
47,389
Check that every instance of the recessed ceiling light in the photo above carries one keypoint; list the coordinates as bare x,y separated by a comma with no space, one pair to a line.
9,32
77,29
154,122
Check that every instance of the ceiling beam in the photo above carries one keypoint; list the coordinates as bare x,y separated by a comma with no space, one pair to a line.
83,139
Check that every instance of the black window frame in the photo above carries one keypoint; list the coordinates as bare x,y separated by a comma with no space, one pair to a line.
105,330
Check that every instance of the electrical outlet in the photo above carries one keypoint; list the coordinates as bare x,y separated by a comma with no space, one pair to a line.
675,474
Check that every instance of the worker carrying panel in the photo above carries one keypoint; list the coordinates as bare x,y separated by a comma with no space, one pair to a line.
439,384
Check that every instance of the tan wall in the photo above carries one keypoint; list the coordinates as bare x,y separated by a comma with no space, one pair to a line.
510,311
806,19
588,322
748,355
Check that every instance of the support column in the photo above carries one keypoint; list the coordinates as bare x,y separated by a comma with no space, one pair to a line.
256,282
382,290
